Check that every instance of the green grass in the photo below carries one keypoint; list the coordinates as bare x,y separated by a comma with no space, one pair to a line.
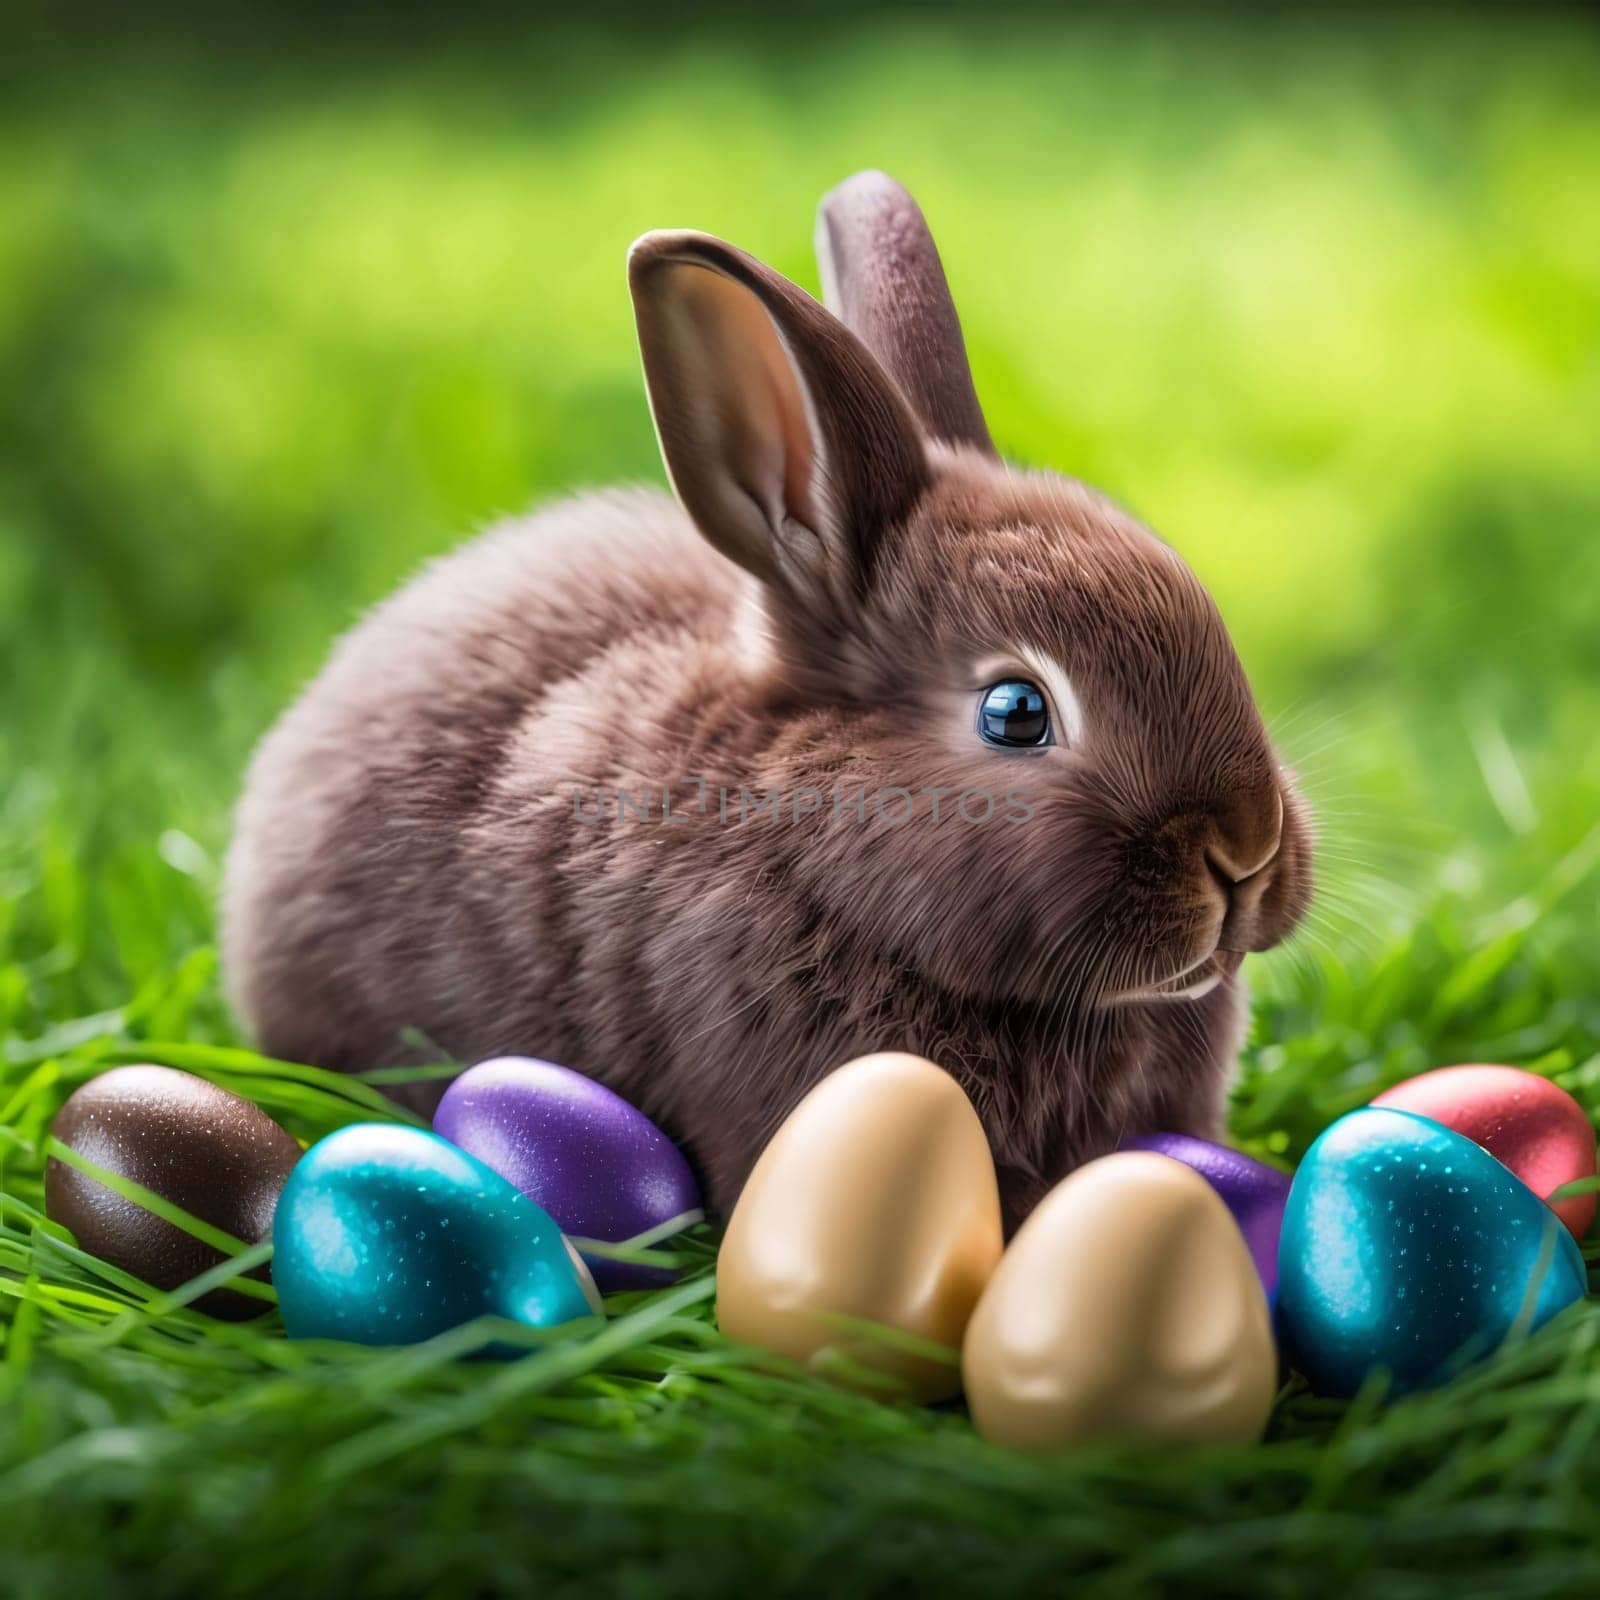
282,315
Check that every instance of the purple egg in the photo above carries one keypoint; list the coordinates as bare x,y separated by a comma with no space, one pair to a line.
1254,1193
602,1169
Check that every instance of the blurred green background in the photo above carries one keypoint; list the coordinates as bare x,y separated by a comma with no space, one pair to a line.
285,308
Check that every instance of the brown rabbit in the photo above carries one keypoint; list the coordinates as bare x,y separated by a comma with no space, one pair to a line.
876,743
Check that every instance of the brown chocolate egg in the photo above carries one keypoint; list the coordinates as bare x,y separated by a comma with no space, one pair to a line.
210,1152
875,1200
1126,1307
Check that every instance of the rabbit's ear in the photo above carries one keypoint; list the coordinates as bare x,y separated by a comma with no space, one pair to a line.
785,441
881,276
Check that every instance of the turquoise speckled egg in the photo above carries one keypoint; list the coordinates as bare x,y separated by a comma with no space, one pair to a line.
387,1235
1410,1248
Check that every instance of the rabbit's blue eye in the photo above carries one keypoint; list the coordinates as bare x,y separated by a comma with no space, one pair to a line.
1014,714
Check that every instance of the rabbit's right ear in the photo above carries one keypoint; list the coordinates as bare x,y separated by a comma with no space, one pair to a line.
785,441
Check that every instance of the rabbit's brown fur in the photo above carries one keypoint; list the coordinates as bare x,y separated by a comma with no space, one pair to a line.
408,853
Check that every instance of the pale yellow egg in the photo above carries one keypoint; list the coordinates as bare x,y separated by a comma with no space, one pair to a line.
875,1200
1127,1306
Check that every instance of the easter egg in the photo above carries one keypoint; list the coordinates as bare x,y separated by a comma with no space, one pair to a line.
1254,1192
1127,1307
209,1152
876,1199
388,1235
1409,1248
602,1169
1525,1121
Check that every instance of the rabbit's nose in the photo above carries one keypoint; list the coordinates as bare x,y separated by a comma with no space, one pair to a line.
1239,856
1244,840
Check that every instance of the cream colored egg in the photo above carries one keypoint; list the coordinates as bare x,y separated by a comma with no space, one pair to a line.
1126,1307
876,1199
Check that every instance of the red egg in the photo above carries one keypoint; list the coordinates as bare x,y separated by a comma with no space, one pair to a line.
1521,1119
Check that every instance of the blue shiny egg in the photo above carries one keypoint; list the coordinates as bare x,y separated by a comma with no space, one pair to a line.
1409,1248
386,1235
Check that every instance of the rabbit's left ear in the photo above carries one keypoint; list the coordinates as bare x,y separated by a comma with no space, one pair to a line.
882,277
786,442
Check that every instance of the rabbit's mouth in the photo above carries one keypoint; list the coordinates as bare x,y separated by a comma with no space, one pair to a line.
1194,982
